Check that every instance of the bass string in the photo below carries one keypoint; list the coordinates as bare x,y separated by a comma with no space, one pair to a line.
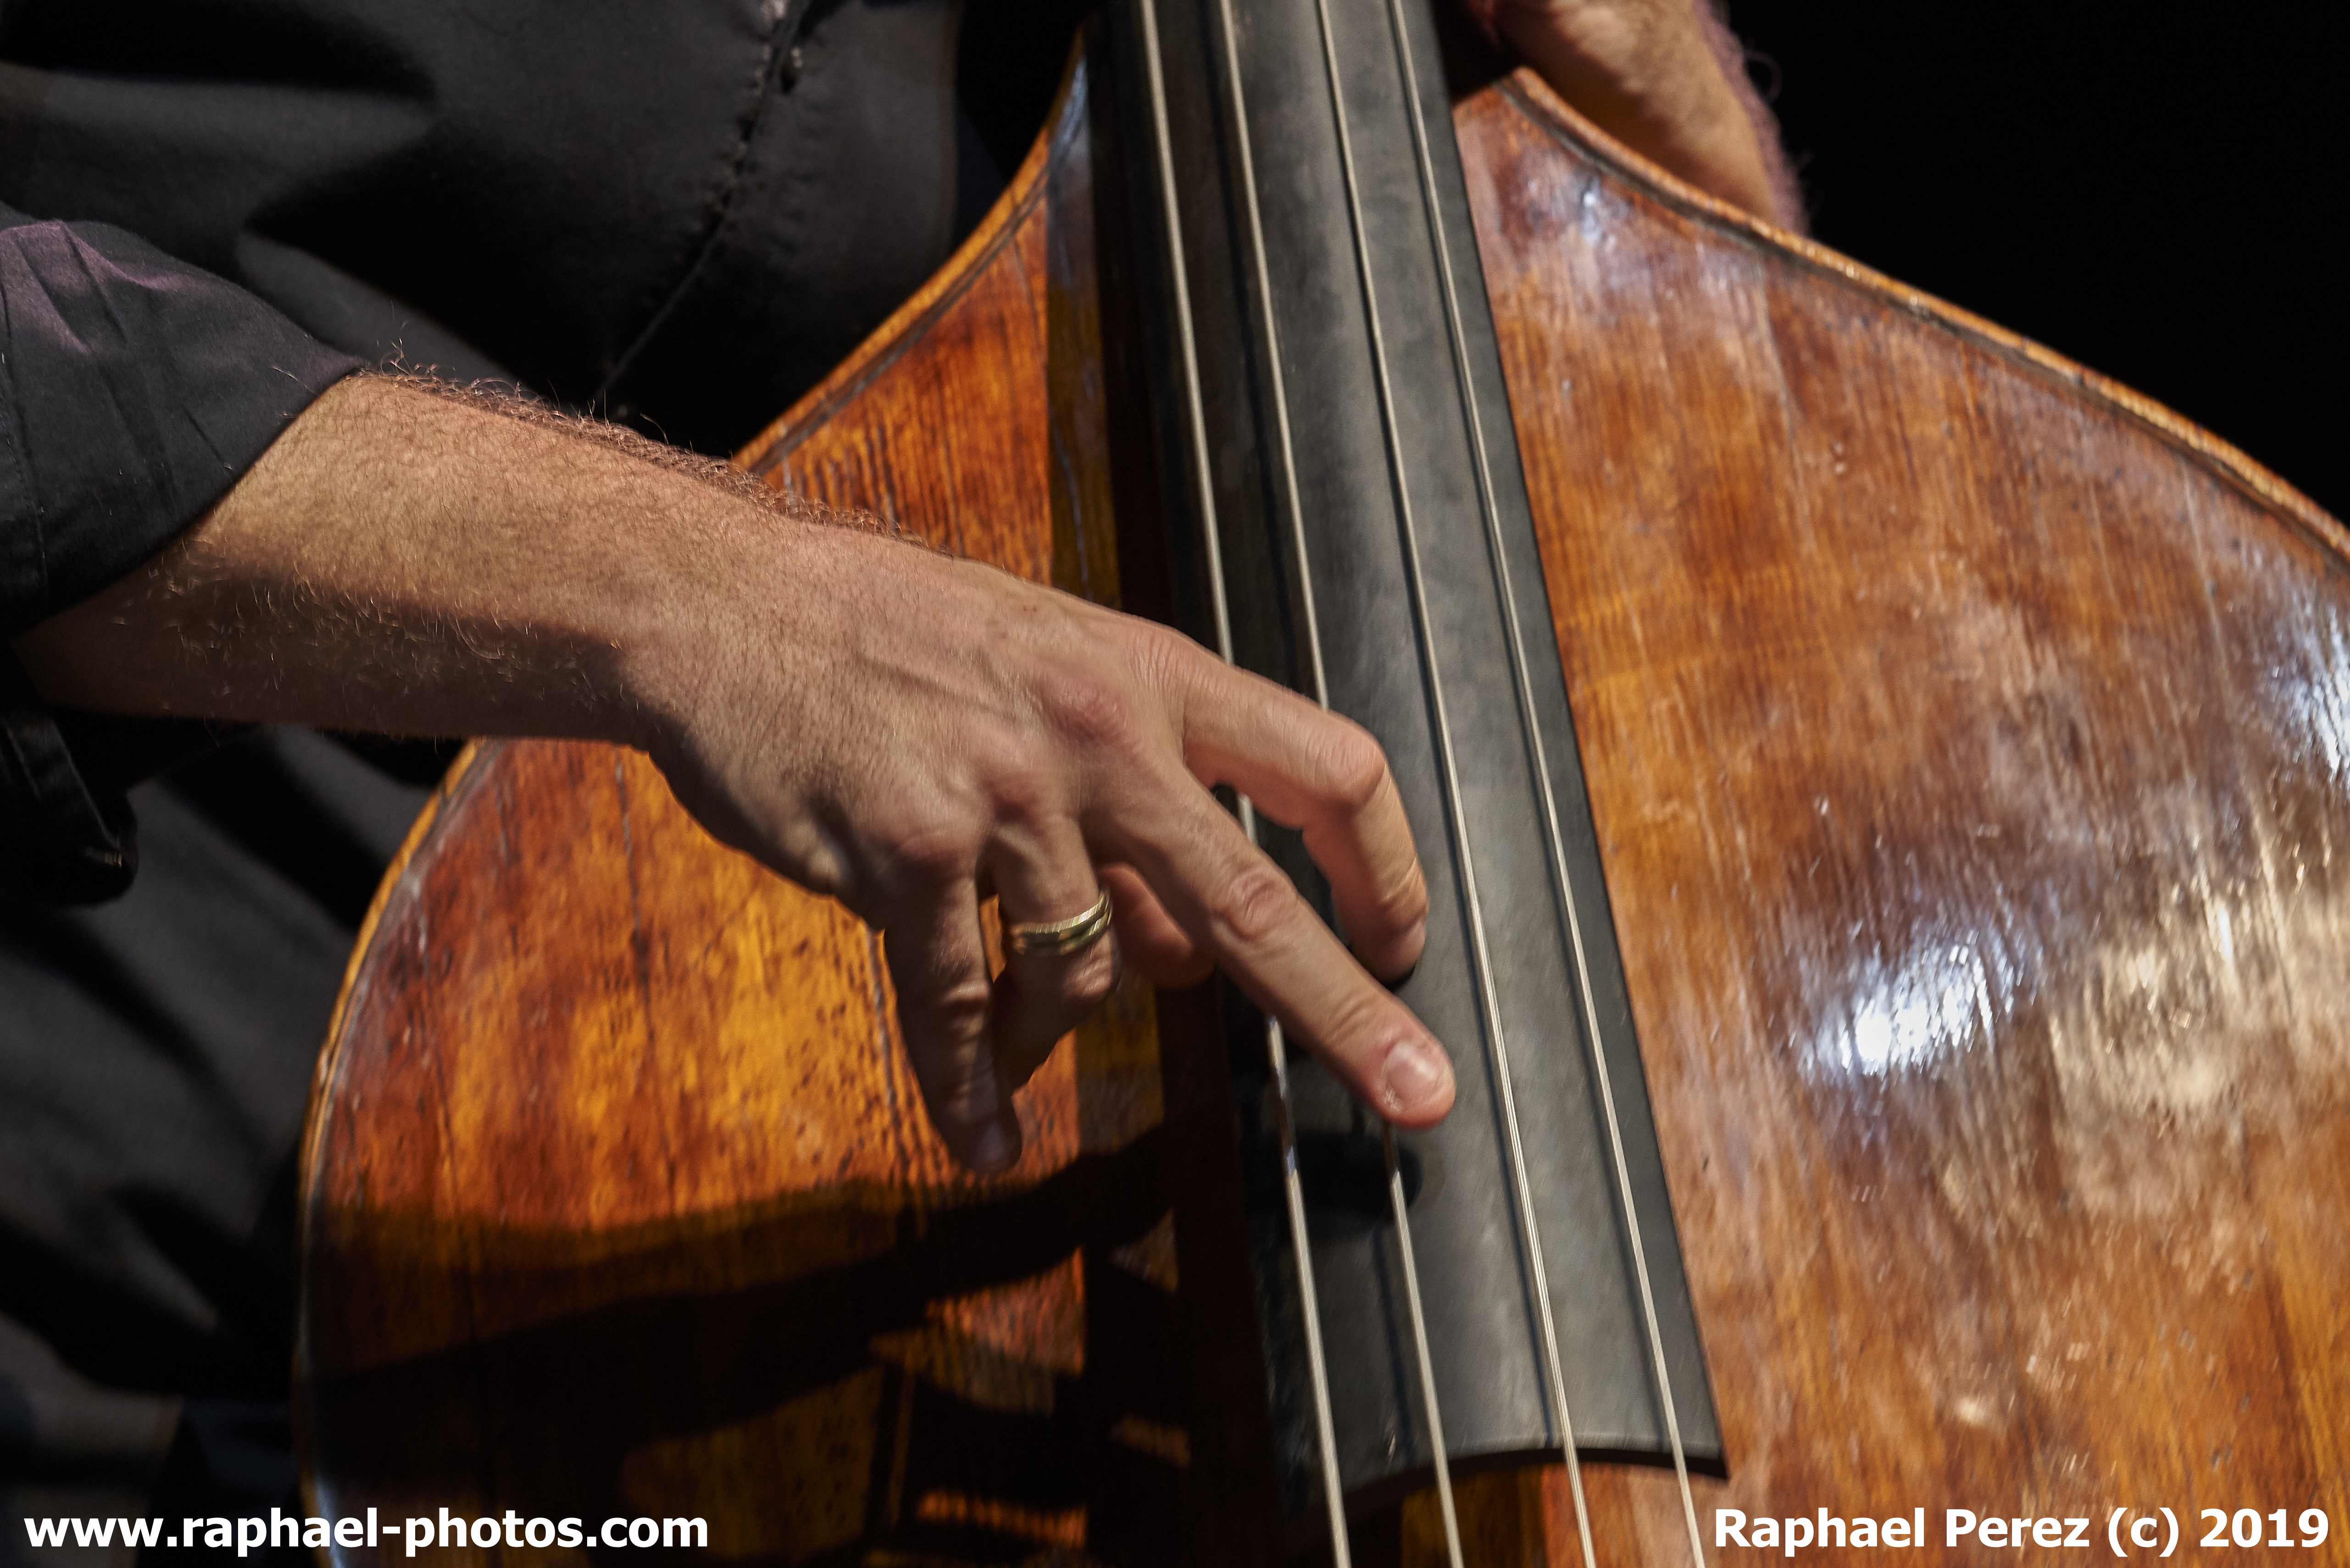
1275,1050
1457,824
1554,1366
1272,349
1198,431
1294,1190
1563,888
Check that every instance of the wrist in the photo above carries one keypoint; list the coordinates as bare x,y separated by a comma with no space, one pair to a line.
713,565
753,605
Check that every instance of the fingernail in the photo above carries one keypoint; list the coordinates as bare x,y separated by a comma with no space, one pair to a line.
1416,1078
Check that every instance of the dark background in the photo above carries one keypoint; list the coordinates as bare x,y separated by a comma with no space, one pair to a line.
2146,188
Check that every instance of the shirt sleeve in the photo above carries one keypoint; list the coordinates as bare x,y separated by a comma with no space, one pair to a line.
134,392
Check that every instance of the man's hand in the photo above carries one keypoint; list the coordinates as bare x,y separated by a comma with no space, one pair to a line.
910,733
1664,76
906,733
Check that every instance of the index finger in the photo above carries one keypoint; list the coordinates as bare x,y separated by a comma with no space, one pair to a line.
1312,769
1242,908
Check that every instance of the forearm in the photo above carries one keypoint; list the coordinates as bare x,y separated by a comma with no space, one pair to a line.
411,561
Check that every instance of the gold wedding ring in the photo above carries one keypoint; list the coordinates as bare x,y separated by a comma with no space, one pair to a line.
1057,939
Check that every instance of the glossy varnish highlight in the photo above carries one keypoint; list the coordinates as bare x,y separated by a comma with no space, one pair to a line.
1969,745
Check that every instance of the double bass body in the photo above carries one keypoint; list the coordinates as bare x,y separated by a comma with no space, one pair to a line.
1968,745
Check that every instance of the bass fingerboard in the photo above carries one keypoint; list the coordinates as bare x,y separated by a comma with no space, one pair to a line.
1351,519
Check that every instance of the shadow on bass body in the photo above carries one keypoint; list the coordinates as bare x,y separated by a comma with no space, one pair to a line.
1926,826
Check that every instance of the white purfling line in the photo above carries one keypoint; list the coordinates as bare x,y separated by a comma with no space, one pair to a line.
1275,1052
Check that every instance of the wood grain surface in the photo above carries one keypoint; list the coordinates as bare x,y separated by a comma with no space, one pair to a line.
1969,744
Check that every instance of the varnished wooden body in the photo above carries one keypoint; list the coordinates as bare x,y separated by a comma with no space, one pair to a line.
1969,744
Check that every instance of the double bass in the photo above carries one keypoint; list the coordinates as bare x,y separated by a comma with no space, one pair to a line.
1880,785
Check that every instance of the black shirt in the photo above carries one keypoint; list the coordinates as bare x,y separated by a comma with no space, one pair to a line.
678,214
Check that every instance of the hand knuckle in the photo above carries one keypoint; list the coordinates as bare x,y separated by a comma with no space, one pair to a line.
928,850
1091,712
1175,670
1252,904
1159,653
1404,898
956,1013
1353,766
1353,1027
1091,978
1022,792
957,1075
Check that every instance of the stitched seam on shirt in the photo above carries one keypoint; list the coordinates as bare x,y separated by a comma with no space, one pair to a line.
788,21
